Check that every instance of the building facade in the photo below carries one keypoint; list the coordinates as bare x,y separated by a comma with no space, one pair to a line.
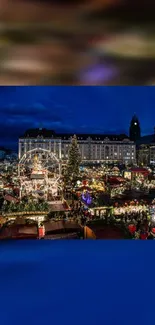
93,148
101,148
146,154
146,150
39,138
152,154
143,155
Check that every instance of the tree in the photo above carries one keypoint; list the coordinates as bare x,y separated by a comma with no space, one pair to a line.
74,160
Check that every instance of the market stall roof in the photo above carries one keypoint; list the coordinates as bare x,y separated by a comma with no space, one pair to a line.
8,185
139,170
121,179
58,226
59,206
16,189
73,235
18,231
116,180
10,198
108,231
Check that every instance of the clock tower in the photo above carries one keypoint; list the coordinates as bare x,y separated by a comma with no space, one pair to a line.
134,130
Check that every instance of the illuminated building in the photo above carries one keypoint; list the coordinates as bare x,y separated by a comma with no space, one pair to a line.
39,138
146,150
93,147
144,155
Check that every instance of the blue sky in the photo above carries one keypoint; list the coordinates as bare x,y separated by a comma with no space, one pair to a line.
74,109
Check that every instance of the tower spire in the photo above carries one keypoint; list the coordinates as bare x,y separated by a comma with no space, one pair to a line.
40,126
134,130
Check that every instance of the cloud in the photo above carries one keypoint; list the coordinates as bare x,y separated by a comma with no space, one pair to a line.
73,109
15,120
28,110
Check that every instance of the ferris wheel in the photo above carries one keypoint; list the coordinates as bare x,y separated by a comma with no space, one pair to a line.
39,171
47,159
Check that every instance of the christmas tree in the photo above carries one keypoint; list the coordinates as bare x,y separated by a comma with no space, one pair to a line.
74,160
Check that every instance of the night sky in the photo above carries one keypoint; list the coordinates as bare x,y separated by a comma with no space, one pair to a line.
74,109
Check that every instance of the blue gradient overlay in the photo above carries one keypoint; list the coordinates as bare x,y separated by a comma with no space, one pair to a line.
77,283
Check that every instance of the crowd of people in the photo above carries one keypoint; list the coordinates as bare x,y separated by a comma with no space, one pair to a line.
134,207
135,218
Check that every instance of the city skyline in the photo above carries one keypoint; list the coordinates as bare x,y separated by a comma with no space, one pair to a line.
74,110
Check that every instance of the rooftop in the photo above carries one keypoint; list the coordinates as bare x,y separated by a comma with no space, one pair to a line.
44,133
38,132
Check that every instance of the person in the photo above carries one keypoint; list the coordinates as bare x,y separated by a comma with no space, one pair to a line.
143,235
